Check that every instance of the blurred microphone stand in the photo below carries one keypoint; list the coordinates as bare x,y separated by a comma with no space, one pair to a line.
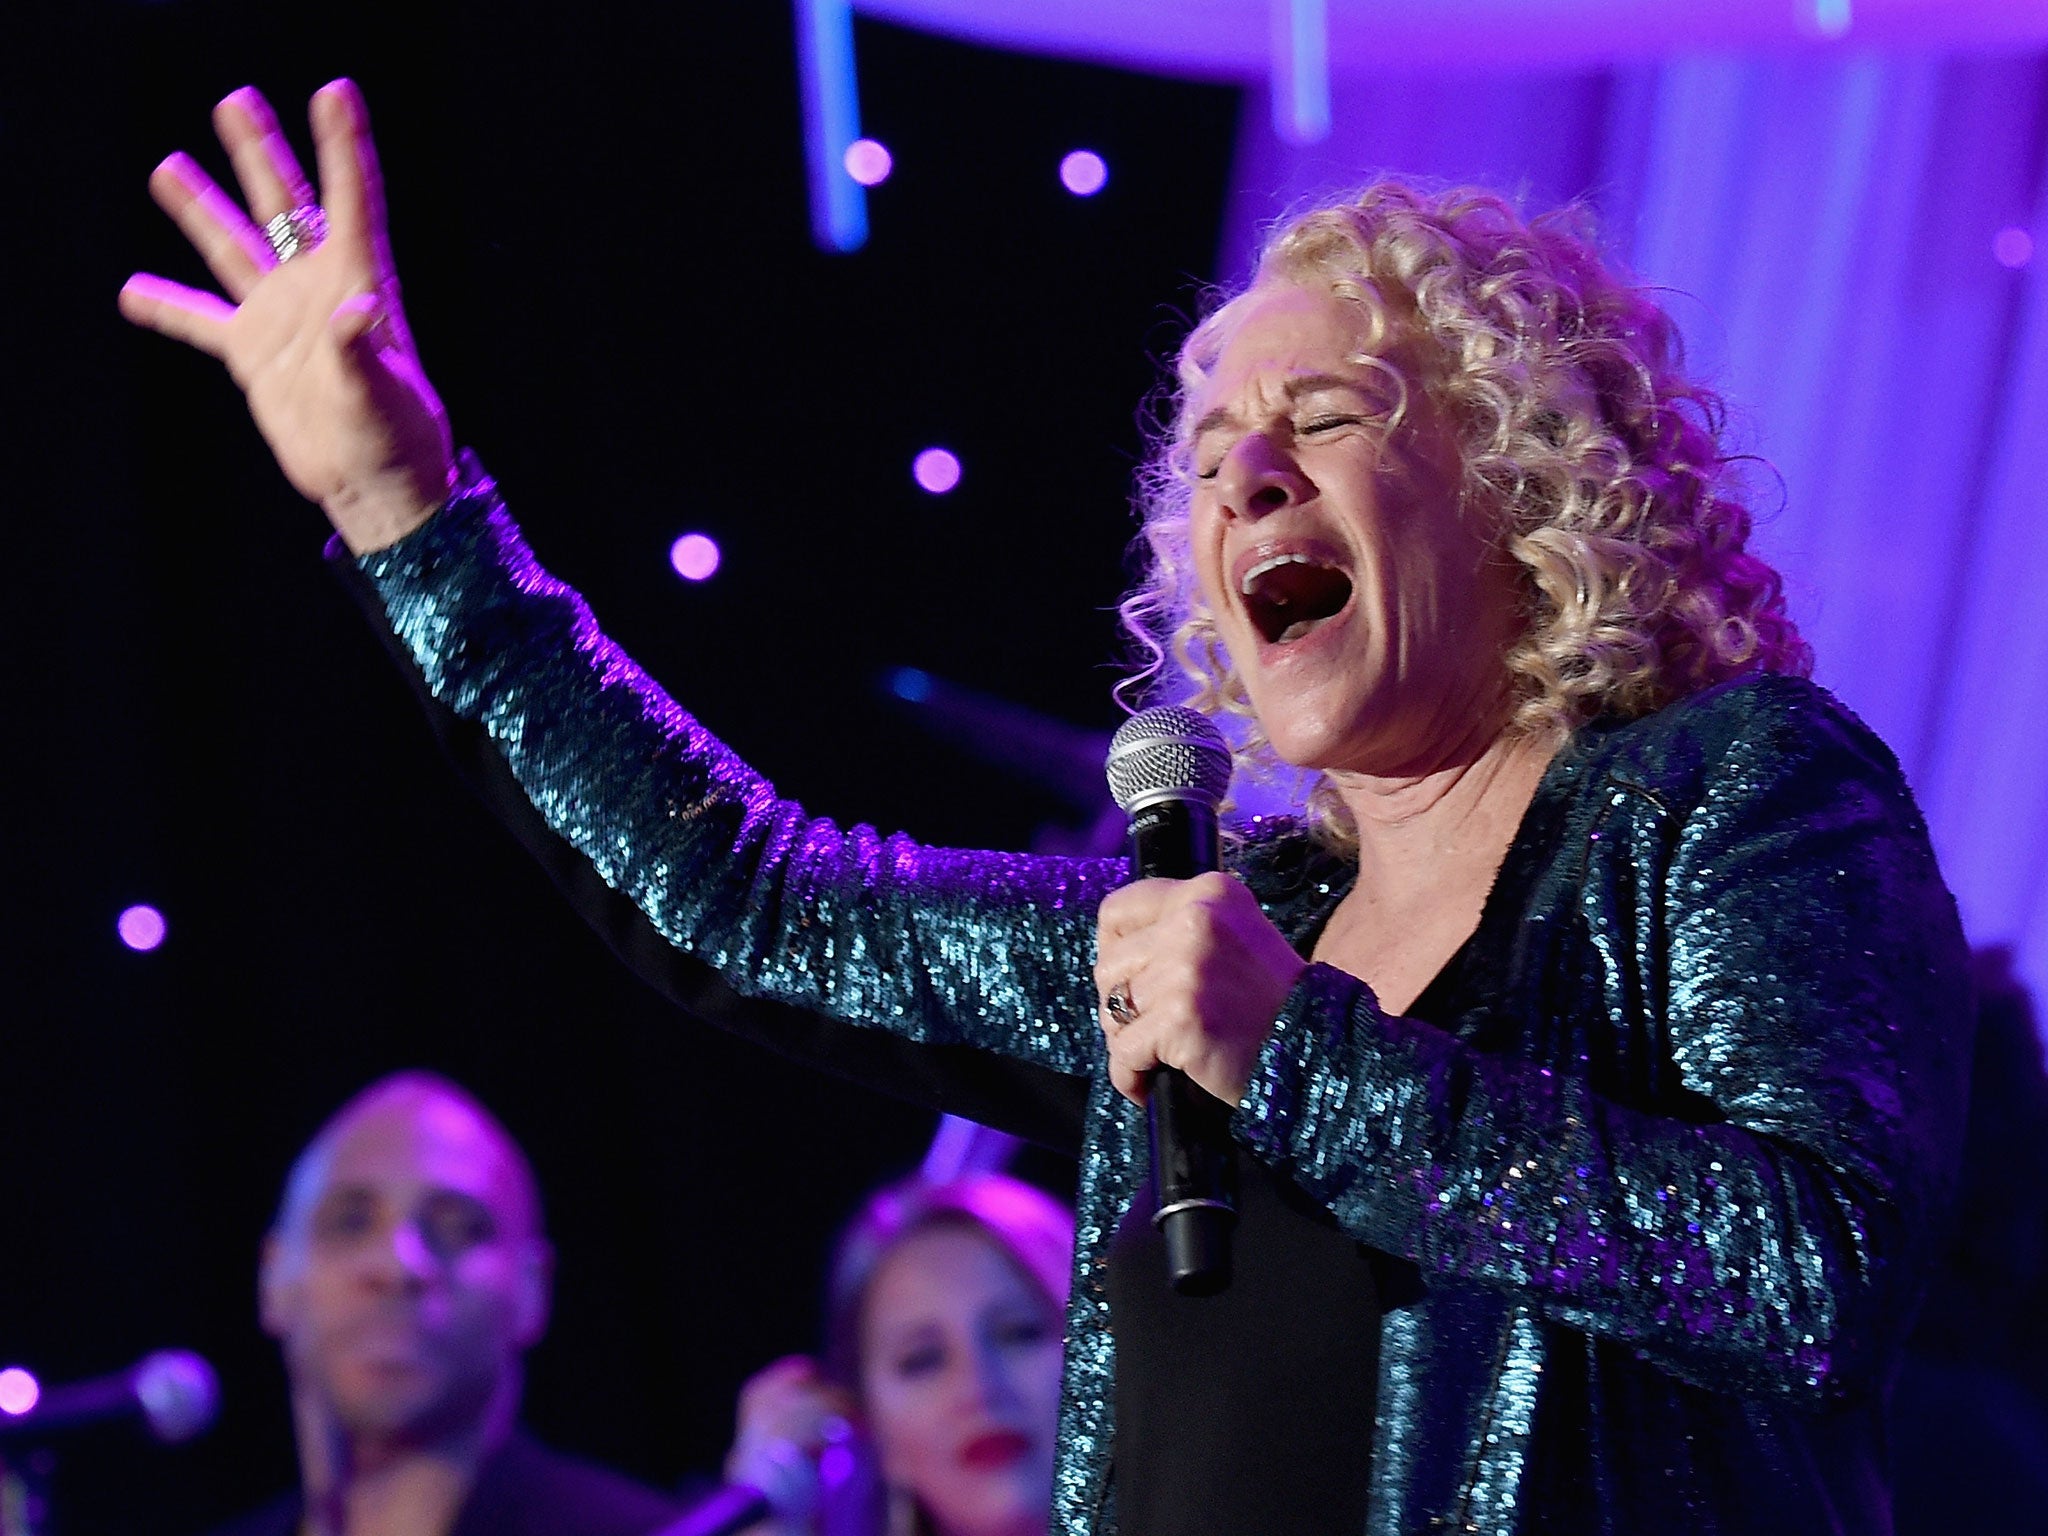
25,1492
174,1393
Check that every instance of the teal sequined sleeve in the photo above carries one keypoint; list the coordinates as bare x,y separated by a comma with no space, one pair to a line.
937,946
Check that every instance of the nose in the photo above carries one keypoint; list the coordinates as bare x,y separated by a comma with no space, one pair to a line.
404,1261
1258,477
991,1385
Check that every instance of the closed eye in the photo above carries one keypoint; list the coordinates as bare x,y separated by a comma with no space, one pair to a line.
921,1361
1310,428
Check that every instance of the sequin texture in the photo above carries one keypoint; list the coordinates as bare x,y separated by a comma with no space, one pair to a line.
1670,1181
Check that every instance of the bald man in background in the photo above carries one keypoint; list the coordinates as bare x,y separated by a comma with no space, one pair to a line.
405,1276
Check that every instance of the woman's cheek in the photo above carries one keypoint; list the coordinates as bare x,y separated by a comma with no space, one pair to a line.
898,1421
1046,1370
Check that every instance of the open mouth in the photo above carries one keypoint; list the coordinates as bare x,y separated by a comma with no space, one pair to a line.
1289,595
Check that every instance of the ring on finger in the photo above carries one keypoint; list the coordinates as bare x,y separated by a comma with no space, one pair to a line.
296,231
1119,1005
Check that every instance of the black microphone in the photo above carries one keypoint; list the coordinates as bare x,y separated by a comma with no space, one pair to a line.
1168,768
777,1477
174,1391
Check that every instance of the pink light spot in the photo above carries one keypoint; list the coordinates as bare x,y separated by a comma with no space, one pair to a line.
695,557
1083,173
868,162
936,470
2013,247
142,928
18,1391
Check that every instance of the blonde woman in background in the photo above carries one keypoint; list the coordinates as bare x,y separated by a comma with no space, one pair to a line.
936,1404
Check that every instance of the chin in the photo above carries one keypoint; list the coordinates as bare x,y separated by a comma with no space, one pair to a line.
1315,743
411,1415
417,1406
999,1504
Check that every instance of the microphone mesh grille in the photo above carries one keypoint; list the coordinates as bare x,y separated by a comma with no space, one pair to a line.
1168,750
179,1393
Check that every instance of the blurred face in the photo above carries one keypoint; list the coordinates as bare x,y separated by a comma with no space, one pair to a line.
406,1275
1361,604
960,1364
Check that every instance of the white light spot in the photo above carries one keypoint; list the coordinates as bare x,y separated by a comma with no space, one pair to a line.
694,556
868,162
2013,247
1083,173
936,470
18,1391
142,928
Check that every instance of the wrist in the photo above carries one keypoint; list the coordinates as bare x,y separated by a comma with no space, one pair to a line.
393,507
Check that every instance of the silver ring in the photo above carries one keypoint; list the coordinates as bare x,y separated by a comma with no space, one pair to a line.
1121,1009
296,232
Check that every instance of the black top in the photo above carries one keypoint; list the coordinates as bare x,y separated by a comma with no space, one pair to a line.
1286,1360
522,1489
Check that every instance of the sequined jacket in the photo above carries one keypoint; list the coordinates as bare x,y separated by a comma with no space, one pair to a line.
1671,1180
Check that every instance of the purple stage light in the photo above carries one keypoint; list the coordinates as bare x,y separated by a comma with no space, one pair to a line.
2013,247
695,557
936,470
18,1391
868,162
141,928
1084,173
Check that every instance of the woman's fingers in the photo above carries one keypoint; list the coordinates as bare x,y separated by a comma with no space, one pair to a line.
356,322
1133,1051
350,181
1130,908
791,1400
263,159
184,314
233,249
1192,974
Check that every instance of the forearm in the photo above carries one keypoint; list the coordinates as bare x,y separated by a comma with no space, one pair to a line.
1730,1258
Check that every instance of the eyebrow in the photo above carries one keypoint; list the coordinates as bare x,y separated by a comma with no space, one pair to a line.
1294,389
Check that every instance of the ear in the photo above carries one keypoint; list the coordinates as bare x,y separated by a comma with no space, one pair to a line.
276,1298
534,1291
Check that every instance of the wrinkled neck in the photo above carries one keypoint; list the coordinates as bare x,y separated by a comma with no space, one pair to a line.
1412,826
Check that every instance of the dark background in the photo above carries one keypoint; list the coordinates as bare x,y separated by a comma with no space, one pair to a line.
602,229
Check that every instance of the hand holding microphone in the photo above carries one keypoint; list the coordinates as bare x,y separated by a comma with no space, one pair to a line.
1205,977
788,1415
1191,976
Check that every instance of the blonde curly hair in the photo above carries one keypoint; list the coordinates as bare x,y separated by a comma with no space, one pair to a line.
1575,425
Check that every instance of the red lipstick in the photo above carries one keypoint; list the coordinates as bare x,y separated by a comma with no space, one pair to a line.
994,1451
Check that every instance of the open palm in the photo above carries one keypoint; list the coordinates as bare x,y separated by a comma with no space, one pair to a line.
319,343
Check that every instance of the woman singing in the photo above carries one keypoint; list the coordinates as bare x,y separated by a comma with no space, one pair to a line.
1596,1035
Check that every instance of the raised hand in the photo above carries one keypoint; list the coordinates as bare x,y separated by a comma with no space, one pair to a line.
318,343
788,1413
